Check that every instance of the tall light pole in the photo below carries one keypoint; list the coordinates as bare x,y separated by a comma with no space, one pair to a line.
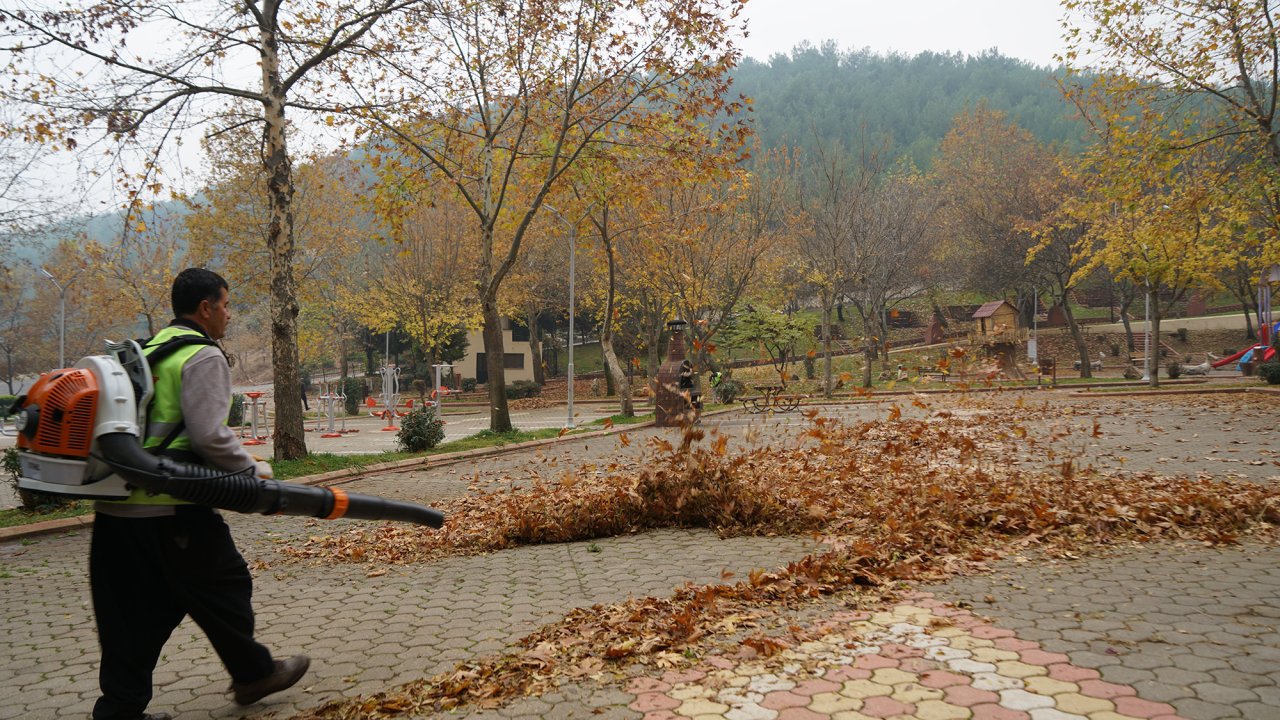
62,312
573,251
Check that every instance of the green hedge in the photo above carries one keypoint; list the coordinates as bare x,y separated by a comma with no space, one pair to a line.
523,389
1270,371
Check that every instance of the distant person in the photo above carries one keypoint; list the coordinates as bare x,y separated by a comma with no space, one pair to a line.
303,387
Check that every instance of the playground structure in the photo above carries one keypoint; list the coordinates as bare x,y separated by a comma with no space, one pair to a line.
1267,327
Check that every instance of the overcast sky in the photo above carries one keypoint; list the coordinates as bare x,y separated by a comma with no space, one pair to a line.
1026,29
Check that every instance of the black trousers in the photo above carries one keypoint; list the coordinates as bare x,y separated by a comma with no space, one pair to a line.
147,574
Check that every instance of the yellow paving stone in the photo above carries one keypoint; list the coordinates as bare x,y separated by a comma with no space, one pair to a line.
694,708
690,692
991,654
1017,669
882,619
832,703
906,611
893,676
751,669
850,715
864,689
938,710
813,647
1082,704
738,681
1111,716
1044,685
708,717
969,642
913,692
948,631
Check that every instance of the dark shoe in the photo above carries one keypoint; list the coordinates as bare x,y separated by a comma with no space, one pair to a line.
287,673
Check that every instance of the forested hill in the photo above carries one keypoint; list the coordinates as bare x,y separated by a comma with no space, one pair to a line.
831,95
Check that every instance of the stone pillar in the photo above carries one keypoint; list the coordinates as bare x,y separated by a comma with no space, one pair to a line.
672,406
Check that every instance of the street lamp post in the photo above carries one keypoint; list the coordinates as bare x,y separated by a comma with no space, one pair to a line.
62,312
573,251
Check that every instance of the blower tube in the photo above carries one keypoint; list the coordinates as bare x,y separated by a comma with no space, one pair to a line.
246,493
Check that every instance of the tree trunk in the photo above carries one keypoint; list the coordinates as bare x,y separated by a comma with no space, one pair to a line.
613,371
1153,342
494,353
289,440
1128,329
654,359
535,349
826,350
1077,337
866,364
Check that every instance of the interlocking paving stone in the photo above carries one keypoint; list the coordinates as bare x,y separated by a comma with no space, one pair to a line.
1101,612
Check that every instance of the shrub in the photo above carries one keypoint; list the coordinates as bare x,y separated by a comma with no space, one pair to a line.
1270,371
236,416
30,499
728,390
810,366
1174,370
6,404
356,391
1181,334
523,389
1115,349
420,387
468,384
420,430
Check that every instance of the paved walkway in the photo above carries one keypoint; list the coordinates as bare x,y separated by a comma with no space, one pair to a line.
1153,631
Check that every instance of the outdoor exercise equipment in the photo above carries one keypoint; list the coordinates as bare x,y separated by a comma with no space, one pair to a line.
255,398
331,397
390,396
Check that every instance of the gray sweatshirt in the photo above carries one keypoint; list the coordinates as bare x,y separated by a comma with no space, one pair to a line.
206,401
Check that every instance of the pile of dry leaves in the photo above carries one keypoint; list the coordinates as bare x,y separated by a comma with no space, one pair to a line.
896,499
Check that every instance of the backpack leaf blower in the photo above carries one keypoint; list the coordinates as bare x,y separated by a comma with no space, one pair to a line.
80,435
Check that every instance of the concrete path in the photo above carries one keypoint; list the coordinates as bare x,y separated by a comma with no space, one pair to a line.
1155,631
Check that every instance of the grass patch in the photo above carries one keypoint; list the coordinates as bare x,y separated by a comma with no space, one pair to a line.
21,516
622,420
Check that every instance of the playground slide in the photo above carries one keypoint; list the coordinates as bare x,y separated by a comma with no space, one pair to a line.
1233,358
1268,354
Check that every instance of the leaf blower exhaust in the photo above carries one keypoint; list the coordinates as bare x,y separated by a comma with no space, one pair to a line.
79,433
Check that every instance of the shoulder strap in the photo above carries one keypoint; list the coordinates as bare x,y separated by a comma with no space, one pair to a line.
160,352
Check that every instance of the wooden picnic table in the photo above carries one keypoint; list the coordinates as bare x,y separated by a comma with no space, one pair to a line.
771,399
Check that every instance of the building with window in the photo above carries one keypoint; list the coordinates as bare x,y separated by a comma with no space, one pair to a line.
517,355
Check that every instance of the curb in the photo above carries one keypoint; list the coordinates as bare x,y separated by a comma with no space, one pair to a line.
339,477
45,527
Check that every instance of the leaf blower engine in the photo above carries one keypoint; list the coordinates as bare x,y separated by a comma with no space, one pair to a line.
79,435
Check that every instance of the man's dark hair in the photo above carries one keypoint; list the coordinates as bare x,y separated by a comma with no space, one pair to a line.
193,286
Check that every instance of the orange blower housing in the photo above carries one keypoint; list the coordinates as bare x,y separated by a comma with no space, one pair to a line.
66,404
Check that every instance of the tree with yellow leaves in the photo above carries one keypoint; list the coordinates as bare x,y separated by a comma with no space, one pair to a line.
1204,72
508,96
